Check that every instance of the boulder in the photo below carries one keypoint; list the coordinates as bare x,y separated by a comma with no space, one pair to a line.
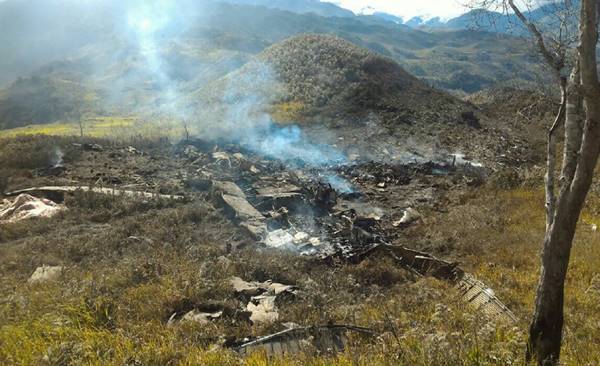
45,273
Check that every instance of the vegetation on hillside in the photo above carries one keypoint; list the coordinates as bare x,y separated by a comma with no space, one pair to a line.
41,100
121,285
319,78
99,70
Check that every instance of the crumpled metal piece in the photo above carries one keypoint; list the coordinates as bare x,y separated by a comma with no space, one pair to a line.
324,339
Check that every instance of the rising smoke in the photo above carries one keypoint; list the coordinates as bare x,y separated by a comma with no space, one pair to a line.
146,58
240,114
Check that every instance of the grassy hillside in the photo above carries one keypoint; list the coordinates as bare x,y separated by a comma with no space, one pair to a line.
437,57
318,78
41,100
131,264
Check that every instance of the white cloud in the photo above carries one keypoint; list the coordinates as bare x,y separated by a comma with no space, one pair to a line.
406,8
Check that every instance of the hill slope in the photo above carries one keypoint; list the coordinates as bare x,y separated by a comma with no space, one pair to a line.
203,41
69,26
344,96
41,100
317,7
317,77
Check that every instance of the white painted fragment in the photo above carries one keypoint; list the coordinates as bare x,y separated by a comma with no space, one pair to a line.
300,237
196,316
279,239
26,207
409,216
263,309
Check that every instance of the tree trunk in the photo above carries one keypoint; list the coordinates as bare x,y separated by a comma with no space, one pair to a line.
581,150
551,153
573,126
545,333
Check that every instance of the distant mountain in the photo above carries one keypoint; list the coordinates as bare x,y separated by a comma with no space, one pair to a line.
41,100
317,7
544,16
93,49
389,17
490,21
38,31
421,21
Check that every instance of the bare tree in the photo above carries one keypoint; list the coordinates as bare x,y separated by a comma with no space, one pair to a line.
579,114
186,130
80,126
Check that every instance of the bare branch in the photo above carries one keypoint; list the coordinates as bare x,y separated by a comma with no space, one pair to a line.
556,62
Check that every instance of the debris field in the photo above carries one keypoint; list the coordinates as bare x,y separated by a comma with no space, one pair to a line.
335,213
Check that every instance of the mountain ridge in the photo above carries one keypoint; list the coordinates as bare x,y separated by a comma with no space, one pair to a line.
213,40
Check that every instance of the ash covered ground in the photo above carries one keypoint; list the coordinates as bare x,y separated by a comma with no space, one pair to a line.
301,202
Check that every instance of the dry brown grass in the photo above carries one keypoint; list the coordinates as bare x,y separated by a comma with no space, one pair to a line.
130,265
498,236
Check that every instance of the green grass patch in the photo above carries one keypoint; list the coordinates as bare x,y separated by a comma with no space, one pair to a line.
114,127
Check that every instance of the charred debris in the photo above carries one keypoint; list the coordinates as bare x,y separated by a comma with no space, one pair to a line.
337,213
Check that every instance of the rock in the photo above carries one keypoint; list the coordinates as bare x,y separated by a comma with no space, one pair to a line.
45,273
